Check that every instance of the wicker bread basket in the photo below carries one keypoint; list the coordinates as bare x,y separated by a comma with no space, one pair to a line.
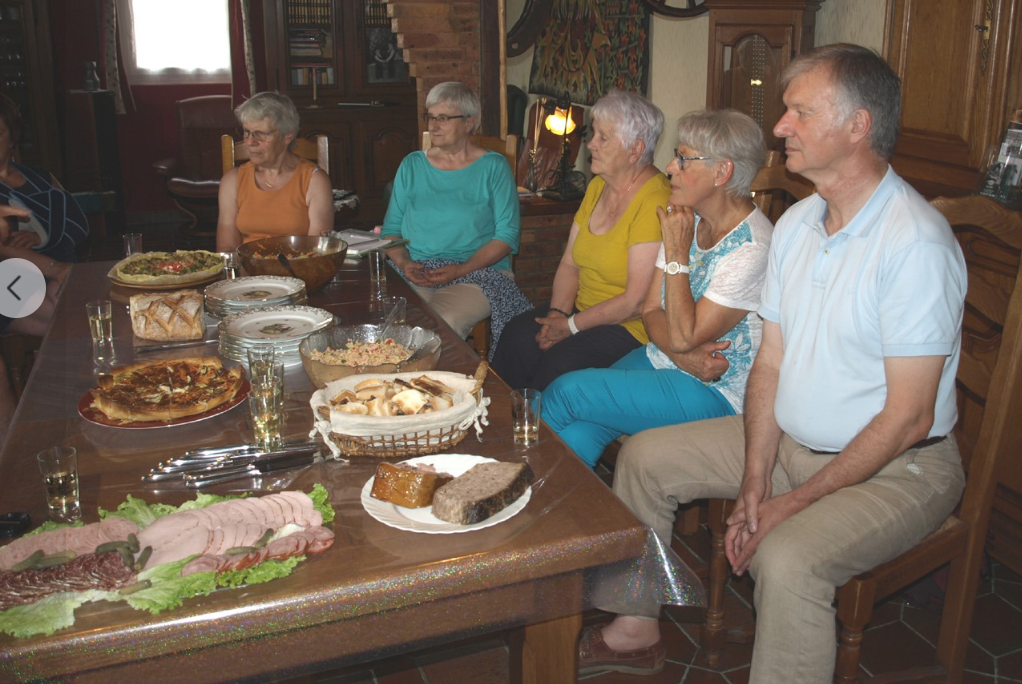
350,435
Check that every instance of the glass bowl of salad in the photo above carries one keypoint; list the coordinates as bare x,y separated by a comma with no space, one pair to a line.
341,351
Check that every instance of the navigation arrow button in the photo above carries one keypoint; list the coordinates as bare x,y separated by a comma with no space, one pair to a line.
10,288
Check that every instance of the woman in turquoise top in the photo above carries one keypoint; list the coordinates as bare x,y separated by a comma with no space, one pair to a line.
457,205
700,311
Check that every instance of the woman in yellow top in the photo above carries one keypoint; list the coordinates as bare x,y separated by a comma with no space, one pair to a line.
593,317
276,192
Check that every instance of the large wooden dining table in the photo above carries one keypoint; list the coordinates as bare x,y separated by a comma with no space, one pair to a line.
377,592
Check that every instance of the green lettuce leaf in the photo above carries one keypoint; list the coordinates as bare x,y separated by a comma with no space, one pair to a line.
264,572
169,589
321,502
47,615
50,525
202,500
138,511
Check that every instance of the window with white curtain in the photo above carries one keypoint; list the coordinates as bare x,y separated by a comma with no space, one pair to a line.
183,41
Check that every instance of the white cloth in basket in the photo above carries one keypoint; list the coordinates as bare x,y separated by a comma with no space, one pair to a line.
466,412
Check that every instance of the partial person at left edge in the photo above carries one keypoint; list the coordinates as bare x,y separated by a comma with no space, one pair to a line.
55,212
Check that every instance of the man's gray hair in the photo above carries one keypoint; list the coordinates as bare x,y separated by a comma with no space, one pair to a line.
726,134
634,118
459,96
278,108
863,80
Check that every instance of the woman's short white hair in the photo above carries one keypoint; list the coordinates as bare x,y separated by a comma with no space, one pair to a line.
726,134
634,118
278,108
459,96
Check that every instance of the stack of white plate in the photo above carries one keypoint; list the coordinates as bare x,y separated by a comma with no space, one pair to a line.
282,326
239,295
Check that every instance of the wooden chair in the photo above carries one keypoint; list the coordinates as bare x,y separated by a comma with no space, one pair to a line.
18,351
509,148
506,146
989,382
316,150
774,188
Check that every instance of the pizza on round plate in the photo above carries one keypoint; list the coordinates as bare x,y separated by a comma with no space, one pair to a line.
169,268
166,390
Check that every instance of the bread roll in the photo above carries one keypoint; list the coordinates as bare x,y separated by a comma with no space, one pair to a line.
407,485
172,317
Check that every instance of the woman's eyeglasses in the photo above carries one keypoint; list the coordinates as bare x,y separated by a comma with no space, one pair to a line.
682,160
258,136
439,118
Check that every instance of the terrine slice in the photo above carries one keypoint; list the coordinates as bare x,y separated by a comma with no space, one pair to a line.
482,491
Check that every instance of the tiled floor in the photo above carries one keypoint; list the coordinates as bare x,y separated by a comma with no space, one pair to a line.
902,634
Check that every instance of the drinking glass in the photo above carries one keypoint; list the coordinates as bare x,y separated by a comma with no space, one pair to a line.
525,415
377,260
261,361
230,264
59,468
382,307
132,243
266,403
101,326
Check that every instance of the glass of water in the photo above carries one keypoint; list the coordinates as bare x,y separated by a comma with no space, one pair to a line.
101,325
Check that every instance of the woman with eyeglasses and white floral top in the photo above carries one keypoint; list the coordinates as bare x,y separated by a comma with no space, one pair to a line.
276,192
700,309
457,205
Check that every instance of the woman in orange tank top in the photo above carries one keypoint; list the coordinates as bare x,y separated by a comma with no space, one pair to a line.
276,192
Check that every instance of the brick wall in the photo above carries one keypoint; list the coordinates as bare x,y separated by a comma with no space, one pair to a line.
440,41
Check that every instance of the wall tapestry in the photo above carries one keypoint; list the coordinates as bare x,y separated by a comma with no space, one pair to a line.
591,47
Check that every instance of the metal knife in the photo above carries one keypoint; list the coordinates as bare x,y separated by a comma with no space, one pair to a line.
254,468
241,449
176,468
172,345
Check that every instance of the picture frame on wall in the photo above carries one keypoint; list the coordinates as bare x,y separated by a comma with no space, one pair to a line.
383,59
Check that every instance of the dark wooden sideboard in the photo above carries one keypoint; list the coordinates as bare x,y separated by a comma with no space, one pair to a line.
545,227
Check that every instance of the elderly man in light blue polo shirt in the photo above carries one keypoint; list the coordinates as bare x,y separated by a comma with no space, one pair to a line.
844,457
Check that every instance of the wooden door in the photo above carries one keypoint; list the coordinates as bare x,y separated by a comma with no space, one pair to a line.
959,64
751,42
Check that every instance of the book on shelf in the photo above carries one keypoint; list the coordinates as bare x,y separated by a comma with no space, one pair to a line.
310,43
301,74
308,11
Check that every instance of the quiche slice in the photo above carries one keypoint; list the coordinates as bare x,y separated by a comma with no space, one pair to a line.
169,268
166,390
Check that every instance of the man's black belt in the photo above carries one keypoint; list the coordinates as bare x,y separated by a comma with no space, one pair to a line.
921,444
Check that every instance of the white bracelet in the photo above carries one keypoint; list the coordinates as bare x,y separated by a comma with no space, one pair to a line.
571,325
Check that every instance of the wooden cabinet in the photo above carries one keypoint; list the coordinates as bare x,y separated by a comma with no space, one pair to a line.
338,60
545,227
751,42
960,63
26,76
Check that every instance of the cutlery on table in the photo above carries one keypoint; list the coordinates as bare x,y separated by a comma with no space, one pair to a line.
259,466
172,345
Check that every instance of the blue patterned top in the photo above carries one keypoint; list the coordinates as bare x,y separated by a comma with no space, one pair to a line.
731,273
